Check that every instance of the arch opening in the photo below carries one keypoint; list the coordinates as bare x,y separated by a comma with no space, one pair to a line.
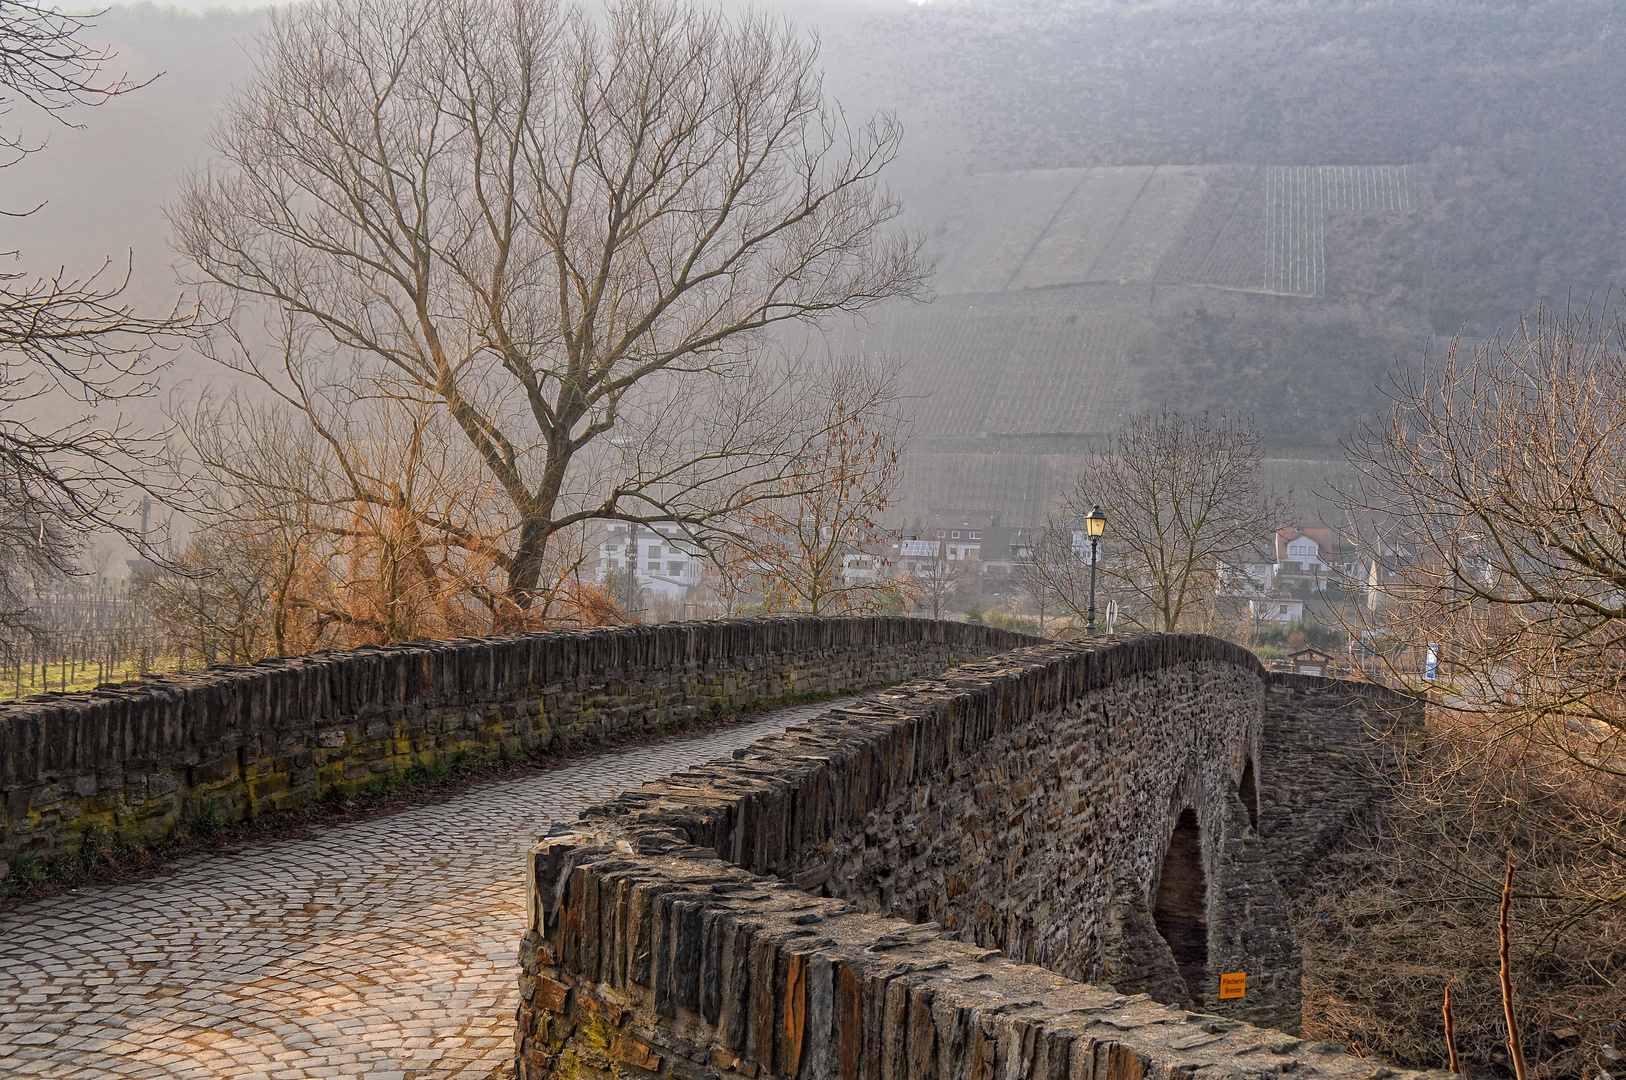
1181,907
1248,792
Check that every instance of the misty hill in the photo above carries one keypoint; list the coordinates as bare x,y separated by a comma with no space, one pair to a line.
1244,206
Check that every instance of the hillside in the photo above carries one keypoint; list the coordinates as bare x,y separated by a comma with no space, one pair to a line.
1237,206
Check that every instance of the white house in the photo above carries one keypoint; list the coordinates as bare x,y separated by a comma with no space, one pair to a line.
1278,611
664,563
1303,550
1253,576
863,567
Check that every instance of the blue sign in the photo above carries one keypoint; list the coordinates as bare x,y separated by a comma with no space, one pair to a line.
1433,661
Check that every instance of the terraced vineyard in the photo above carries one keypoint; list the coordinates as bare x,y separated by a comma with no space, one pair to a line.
1021,488
1297,202
998,232
1223,239
1056,293
1023,363
1236,227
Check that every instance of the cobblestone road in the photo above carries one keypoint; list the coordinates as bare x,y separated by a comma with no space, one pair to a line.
382,948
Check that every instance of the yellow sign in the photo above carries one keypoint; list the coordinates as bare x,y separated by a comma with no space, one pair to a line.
1234,985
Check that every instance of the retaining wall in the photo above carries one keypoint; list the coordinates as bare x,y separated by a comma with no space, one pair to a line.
1325,743
138,758
741,918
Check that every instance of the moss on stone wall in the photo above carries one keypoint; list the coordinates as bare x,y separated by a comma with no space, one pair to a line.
142,760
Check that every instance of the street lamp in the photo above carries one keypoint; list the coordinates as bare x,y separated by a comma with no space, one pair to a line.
1095,524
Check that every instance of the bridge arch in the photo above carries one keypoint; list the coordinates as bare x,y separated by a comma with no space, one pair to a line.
1180,905
869,894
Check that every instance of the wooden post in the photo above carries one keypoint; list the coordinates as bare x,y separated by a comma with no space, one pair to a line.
1514,1044
1455,1063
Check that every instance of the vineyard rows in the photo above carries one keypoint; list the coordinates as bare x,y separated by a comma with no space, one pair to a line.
1297,202
79,638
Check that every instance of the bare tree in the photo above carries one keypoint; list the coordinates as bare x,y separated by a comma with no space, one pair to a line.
62,337
46,62
1057,574
728,578
569,234
347,569
934,579
1493,504
803,541
1184,497
212,596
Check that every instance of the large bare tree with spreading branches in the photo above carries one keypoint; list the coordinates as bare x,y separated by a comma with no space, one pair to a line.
567,234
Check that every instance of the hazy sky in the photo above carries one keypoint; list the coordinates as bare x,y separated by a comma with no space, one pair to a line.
195,6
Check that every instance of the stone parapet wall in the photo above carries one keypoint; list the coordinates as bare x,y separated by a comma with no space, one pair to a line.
1024,841
740,918
136,759
686,967
1326,743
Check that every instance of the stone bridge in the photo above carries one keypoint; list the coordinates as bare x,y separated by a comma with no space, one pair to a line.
927,884
999,869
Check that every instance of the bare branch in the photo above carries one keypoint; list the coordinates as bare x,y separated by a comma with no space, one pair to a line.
567,236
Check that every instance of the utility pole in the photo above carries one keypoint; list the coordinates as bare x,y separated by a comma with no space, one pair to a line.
632,569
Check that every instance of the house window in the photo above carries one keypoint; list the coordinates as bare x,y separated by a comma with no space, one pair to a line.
955,534
975,535
940,534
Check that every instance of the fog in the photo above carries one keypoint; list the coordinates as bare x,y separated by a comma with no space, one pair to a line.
1248,207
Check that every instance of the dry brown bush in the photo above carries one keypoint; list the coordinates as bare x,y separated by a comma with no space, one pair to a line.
1408,901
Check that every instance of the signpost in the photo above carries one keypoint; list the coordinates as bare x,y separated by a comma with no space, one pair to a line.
1233,985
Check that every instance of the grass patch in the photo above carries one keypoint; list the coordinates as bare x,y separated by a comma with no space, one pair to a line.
209,819
26,872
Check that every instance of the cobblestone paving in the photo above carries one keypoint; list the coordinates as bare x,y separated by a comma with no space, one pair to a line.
382,948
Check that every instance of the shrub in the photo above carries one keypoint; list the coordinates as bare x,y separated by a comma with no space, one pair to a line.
26,871
1409,899
209,819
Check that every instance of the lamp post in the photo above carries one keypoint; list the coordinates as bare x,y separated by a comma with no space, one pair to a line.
1095,524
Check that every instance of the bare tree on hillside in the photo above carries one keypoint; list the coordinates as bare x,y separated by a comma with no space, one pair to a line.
62,336
1184,498
1492,502
567,233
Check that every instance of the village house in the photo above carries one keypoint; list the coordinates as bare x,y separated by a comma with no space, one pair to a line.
664,563
985,555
